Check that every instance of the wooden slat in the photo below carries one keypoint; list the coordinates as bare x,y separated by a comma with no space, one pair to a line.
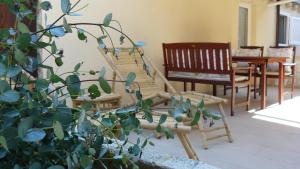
211,59
218,61
180,58
186,59
193,59
216,137
204,57
169,58
174,58
199,59
225,60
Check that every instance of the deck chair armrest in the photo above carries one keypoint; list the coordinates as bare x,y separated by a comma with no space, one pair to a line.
243,68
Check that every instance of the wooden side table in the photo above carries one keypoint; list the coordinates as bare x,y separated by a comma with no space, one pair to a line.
104,102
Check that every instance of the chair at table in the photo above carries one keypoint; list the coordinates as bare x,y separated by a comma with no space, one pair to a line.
248,51
289,66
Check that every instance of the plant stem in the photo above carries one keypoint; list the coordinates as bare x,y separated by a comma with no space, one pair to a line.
58,19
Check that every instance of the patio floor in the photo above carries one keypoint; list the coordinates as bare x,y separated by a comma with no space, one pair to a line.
267,139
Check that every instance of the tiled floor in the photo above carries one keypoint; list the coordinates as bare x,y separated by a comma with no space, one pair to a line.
267,139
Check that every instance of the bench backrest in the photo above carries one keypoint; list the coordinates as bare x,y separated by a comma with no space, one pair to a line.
214,58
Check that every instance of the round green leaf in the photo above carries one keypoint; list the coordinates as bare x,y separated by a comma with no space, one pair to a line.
65,6
4,86
24,125
46,5
34,135
41,84
77,67
10,96
67,26
3,143
13,71
81,35
73,85
104,85
53,48
107,19
57,31
12,113
196,118
163,119
20,56
23,28
2,69
130,78
58,130
23,41
94,91
59,61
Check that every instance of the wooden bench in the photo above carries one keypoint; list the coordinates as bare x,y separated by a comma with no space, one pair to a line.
207,63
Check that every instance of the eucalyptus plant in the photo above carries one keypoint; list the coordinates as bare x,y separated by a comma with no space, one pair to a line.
37,127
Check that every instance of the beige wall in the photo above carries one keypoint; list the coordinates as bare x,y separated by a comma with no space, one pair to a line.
153,22
263,23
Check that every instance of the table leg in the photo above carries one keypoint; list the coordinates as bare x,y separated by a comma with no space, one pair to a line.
263,86
280,83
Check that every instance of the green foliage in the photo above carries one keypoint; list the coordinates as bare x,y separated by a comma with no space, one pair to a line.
58,130
23,28
67,26
73,85
94,91
107,20
23,41
37,127
65,6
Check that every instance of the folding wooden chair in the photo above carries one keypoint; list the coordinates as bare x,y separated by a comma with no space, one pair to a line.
151,87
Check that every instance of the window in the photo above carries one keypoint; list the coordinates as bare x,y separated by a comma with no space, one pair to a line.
283,29
294,31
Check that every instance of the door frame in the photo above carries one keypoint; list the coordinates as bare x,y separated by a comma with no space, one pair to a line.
249,7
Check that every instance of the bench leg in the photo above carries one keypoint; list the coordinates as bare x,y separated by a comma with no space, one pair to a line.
225,90
222,112
193,86
184,86
187,146
215,90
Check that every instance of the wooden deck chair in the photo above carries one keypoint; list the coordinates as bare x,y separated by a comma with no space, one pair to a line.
151,88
